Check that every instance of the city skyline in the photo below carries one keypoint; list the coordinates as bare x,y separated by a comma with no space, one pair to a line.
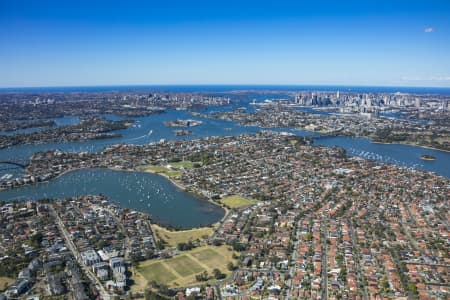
405,43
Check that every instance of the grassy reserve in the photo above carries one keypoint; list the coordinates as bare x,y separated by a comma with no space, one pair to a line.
181,269
5,282
186,164
173,238
163,171
237,201
172,169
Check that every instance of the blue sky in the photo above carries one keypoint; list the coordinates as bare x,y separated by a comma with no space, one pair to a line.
69,43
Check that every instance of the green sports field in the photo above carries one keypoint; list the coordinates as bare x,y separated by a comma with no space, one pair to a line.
181,269
237,201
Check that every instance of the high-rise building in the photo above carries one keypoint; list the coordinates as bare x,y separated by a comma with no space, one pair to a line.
417,103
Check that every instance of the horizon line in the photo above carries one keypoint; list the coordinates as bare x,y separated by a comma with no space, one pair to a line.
223,85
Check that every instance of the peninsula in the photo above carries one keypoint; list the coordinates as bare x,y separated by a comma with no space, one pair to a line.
317,217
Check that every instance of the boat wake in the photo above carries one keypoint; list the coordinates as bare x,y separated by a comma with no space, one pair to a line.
142,136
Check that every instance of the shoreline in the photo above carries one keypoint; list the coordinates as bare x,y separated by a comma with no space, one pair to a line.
318,132
184,189
104,137
162,228
427,157
409,144
214,225
142,170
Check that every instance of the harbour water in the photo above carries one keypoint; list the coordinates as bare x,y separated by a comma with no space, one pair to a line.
397,154
173,207
59,122
154,194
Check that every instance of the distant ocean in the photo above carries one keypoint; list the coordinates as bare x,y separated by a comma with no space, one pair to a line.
229,88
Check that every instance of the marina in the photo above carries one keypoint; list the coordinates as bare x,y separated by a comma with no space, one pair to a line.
146,192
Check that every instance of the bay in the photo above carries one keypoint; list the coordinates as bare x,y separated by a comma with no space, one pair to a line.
156,195
146,192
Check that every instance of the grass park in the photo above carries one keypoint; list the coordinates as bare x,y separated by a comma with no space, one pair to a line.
186,164
181,269
163,170
173,238
172,169
5,282
237,201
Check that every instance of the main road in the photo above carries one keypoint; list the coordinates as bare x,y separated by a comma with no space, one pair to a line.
324,238
356,255
294,256
126,241
94,280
